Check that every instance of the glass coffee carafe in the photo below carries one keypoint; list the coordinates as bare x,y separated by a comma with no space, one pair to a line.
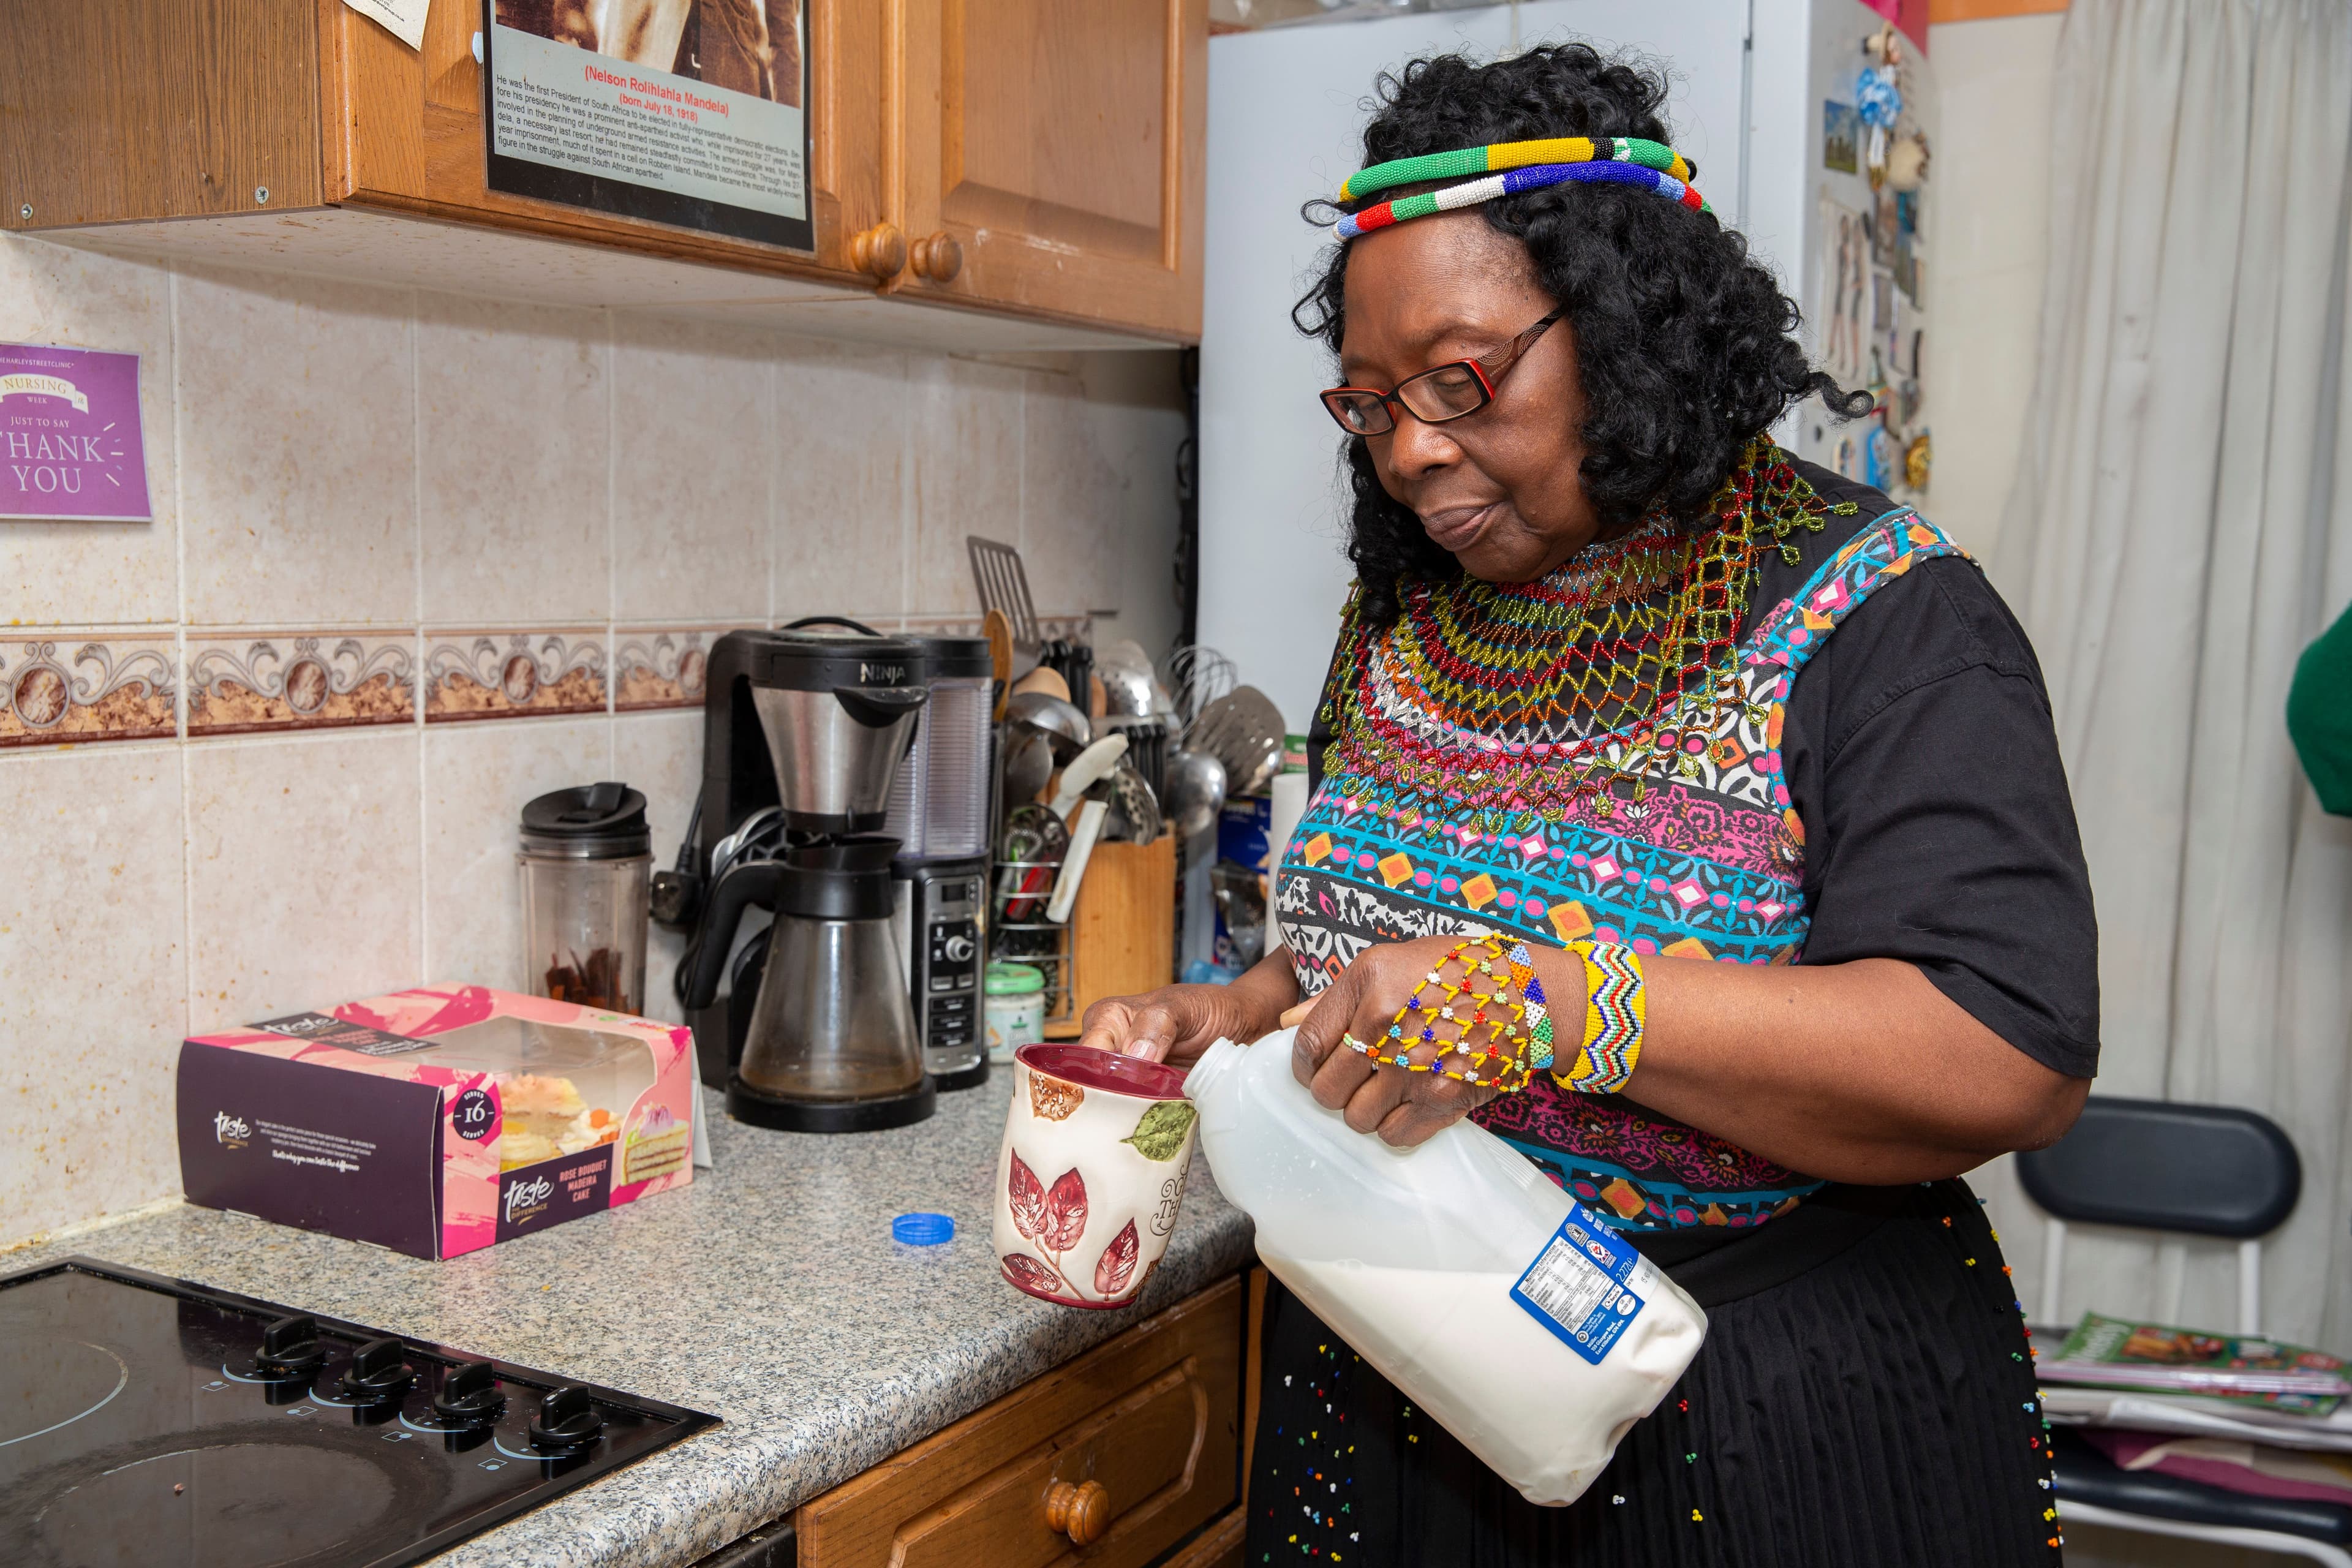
831,1045
833,1020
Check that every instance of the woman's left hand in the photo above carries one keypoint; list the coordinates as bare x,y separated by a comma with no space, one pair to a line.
1403,1107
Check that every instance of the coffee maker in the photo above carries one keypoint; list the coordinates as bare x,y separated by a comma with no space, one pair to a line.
805,731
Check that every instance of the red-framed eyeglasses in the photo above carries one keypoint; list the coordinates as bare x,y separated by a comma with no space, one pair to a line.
1434,396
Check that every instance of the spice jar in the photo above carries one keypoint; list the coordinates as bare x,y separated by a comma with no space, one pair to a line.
1014,1008
587,874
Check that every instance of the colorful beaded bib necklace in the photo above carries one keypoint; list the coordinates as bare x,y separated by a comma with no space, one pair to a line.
1512,702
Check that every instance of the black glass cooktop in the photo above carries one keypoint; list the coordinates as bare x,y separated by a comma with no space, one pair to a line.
148,1423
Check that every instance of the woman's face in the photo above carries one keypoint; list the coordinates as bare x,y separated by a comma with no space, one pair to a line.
1498,490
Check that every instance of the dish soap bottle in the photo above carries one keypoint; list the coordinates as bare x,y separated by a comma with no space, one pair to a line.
1496,1302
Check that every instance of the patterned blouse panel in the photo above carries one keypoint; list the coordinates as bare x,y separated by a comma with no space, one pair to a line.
1701,855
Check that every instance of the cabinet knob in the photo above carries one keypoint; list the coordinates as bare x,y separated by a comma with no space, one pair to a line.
939,257
880,251
1081,1511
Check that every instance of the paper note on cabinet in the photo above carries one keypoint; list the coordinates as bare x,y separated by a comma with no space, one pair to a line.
405,19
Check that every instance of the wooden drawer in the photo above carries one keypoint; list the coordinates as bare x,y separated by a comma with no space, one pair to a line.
1153,1417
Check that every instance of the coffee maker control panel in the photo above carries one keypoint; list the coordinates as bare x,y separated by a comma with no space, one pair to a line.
947,910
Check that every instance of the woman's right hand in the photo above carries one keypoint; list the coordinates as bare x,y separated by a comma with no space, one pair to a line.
1176,1023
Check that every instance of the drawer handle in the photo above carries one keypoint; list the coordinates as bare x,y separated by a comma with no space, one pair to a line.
1081,1511
938,258
879,252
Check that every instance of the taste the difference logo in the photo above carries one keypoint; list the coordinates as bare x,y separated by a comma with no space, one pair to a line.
525,1198
230,1132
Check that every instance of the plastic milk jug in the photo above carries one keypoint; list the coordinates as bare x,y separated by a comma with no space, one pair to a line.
1499,1305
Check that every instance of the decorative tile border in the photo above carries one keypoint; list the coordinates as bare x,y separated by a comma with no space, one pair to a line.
62,691
512,675
1069,628
943,625
299,680
660,668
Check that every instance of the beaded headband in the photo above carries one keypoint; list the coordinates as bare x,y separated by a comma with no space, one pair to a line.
1502,155
1526,166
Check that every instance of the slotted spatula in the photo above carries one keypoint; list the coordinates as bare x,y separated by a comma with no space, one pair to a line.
1003,584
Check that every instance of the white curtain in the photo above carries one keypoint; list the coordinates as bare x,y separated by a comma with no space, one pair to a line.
2180,530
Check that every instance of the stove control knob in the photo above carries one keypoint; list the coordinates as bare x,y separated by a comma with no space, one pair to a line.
958,948
379,1372
290,1348
469,1396
567,1423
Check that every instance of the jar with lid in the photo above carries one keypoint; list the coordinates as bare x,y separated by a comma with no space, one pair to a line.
587,876
1013,1009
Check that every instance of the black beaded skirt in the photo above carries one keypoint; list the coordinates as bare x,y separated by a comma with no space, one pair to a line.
1876,1408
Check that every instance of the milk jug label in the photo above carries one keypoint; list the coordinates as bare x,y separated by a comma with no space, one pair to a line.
1576,1286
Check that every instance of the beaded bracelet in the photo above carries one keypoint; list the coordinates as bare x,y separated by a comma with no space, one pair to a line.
1615,1013
1450,1014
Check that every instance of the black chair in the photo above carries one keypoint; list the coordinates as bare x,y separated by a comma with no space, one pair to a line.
2206,1169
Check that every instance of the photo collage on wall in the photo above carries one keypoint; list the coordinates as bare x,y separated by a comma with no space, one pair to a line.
1874,308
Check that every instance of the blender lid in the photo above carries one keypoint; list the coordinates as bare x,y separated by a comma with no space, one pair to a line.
588,821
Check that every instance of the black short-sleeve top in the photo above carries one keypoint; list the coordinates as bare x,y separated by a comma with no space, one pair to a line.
1869,770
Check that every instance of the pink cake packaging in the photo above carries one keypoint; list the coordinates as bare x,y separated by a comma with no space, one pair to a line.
438,1121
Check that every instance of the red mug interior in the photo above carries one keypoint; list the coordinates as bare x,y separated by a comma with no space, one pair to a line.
1090,1067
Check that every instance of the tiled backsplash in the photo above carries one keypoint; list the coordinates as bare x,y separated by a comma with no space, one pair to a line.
417,558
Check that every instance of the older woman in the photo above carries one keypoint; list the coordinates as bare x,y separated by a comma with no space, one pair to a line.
1742,769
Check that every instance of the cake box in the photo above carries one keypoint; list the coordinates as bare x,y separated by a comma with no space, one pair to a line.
437,1121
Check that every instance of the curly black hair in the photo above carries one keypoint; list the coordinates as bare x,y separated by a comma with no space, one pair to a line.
1683,341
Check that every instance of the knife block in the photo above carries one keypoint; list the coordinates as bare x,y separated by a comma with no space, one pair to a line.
1123,926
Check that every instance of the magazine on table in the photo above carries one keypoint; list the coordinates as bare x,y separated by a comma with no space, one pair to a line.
2116,1353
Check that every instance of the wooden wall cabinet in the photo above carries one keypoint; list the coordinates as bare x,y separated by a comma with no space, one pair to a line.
135,112
1039,159
1058,146
410,137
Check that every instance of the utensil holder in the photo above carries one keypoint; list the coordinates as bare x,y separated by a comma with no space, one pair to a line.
1037,942
1122,927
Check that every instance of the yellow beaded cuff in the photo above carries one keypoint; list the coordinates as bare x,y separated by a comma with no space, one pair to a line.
1615,1012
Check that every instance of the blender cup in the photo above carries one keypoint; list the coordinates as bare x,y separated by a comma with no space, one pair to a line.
587,872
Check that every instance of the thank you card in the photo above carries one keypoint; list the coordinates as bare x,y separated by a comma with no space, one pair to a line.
69,440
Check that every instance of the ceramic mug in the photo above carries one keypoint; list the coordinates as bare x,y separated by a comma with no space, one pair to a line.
1088,1183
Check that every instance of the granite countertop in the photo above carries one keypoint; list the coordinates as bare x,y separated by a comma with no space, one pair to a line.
768,1293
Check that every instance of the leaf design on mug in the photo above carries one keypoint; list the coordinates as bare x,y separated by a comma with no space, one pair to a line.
1118,1262
1065,1211
1025,1270
1160,1134
1052,1099
1027,1197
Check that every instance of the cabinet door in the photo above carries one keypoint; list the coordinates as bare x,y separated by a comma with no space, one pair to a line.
403,130
1058,146
1146,1423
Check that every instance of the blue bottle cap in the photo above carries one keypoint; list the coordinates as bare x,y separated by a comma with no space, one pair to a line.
922,1229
